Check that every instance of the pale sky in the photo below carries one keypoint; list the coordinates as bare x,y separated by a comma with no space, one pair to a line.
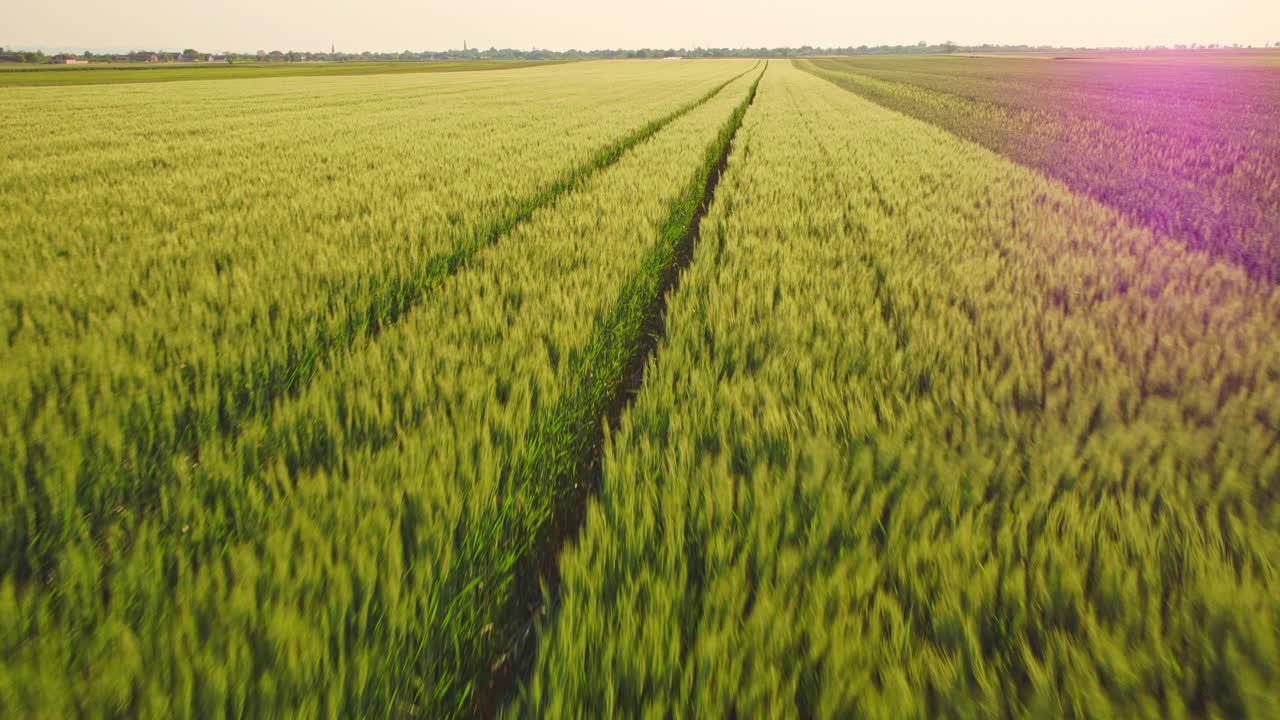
388,25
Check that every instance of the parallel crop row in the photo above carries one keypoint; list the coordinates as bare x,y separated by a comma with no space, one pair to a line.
928,435
1185,147
163,315
354,551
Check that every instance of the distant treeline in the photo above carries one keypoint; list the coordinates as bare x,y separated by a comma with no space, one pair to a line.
192,55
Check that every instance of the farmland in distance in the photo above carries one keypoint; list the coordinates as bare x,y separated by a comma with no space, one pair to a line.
1183,145
114,73
840,387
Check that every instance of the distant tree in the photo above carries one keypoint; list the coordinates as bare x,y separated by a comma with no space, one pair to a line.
190,53
949,47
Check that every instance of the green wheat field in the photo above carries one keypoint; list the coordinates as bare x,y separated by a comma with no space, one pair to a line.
838,388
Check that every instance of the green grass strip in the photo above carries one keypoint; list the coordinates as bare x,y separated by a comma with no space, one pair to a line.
133,73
